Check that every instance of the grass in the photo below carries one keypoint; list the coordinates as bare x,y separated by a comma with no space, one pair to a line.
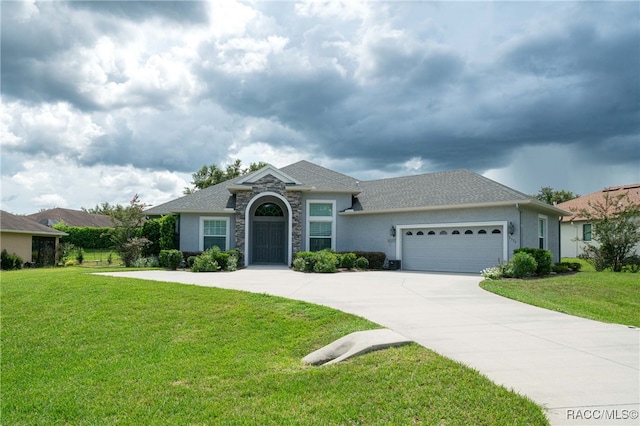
606,296
98,257
85,350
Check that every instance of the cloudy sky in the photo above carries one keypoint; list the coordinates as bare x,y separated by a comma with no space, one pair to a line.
103,100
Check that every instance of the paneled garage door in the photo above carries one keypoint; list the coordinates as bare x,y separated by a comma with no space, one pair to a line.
454,249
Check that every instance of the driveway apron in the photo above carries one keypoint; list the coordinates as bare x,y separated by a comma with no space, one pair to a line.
580,371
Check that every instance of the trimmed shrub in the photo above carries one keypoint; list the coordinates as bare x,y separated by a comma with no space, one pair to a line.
11,261
362,263
205,263
213,259
348,260
167,232
524,265
375,258
170,259
190,261
576,266
151,231
561,267
326,261
309,260
84,236
543,258
299,264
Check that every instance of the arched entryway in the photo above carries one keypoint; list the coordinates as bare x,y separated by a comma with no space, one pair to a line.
269,239
269,230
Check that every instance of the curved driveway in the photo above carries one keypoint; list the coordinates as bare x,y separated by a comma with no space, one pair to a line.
581,371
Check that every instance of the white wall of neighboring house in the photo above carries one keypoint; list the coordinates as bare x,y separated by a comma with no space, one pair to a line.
572,239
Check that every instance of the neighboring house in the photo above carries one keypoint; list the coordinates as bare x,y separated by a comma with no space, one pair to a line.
455,221
576,231
70,217
28,239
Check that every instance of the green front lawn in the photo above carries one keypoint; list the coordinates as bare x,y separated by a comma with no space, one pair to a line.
83,349
604,296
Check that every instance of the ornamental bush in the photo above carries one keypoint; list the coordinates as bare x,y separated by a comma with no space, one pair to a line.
543,258
213,259
348,260
326,261
362,263
524,265
170,259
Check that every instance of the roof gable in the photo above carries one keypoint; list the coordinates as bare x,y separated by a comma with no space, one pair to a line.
265,171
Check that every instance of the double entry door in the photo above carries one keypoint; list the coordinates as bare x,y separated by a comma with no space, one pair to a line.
269,242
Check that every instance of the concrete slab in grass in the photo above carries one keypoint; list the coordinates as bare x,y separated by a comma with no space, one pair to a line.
353,344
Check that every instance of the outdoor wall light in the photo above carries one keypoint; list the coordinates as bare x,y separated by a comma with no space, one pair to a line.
511,228
393,231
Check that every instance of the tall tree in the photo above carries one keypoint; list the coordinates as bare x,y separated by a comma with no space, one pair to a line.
211,174
551,196
616,229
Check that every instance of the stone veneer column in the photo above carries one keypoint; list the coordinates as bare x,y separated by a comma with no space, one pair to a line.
271,184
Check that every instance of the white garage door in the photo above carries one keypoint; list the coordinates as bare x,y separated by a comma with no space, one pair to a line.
455,249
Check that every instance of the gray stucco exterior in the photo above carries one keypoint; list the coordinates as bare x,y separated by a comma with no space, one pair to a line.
364,215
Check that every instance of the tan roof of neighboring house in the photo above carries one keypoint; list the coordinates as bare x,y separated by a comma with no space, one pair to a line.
71,218
578,204
22,225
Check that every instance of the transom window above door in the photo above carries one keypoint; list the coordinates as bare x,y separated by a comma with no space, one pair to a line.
269,209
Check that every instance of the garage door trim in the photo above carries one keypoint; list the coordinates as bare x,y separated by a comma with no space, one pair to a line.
503,224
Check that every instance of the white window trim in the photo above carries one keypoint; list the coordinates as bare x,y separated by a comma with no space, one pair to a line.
201,241
505,236
331,219
545,235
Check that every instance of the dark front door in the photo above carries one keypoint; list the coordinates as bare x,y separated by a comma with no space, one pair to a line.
269,242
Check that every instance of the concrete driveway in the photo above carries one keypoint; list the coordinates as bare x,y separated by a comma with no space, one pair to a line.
581,371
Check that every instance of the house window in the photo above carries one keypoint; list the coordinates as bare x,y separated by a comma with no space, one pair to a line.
431,233
455,232
482,231
468,232
586,232
321,225
420,233
214,233
496,231
542,232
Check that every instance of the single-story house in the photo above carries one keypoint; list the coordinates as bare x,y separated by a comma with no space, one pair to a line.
576,231
32,241
454,221
70,217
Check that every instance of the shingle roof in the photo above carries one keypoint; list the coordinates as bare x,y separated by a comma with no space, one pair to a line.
450,188
71,218
584,202
212,199
21,224
432,190
320,178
